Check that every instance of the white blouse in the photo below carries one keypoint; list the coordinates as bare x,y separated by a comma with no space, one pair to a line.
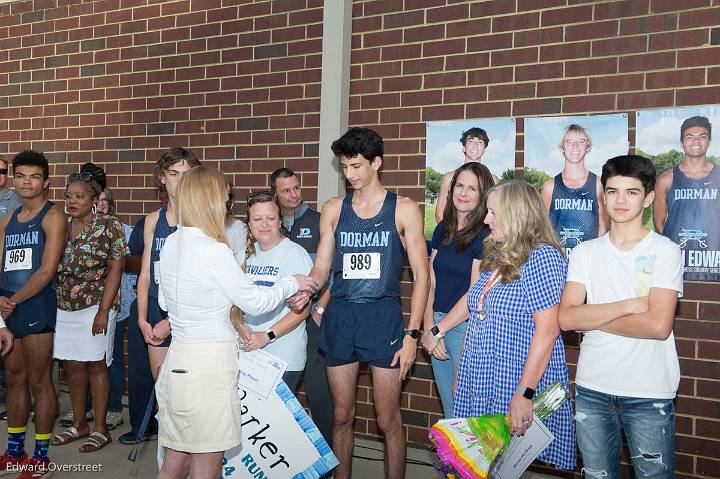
199,282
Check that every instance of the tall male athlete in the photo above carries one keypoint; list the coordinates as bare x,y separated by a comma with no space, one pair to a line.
364,239
573,198
33,239
687,207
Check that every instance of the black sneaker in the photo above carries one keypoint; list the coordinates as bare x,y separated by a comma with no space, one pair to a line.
130,438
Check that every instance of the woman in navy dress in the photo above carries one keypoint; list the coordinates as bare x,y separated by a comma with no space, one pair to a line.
513,345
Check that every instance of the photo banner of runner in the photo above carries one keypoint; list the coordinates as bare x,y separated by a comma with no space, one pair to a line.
563,158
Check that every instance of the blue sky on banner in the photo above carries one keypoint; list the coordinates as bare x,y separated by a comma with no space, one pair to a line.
444,150
543,136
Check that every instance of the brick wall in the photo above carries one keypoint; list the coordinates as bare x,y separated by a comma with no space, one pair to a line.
117,81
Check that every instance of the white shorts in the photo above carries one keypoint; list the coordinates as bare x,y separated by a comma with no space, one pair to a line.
74,340
199,406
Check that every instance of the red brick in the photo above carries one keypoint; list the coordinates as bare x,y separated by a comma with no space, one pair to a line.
588,103
648,61
447,13
574,86
536,107
655,99
658,6
445,47
696,96
619,46
539,72
625,8
468,28
446,112
444,80
564,51
564,16
514,57
698,57
465,61
511,91
617,83
654,23
599,66
677,40
707,467
605,29
675,78
401,52
422,98
376,39
490,75
495,41
540,36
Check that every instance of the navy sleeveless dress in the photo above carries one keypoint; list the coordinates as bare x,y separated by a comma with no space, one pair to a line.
574,212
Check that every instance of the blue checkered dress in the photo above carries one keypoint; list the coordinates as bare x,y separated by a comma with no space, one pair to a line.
495,349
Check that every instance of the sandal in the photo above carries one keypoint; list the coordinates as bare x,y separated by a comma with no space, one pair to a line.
66,437
95,442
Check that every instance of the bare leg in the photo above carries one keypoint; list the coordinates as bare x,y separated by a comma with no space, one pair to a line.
100,386
18,395
37,354
78,382
157,358
206,465
343,380
176,465
386,395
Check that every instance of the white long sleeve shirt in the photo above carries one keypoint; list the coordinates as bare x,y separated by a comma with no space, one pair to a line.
199,282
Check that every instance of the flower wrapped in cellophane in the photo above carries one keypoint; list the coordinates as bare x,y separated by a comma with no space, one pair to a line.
467,447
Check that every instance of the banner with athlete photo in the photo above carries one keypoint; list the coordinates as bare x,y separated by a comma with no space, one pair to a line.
686,208
445,151
564,156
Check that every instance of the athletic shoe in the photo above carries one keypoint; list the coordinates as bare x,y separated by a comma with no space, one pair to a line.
12,465
69,419
36,469
114,419
130,438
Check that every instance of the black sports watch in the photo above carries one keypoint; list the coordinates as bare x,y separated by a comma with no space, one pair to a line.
436,332
527,393
413,333
271,335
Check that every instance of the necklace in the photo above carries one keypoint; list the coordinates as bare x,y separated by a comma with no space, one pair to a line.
488,286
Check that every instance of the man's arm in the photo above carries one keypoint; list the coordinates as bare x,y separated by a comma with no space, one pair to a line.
659,203
411,221
655,323
442,196
576,315
603,219
326,246
143,282
54,225
546,193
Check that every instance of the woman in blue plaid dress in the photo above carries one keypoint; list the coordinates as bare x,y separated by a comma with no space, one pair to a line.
513,338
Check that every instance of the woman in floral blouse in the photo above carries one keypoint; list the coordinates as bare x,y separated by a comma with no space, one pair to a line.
88,303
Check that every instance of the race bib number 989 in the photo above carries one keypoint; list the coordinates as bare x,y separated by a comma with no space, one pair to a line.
361,266
16,259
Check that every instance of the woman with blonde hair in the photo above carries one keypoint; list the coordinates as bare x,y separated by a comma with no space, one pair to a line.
513,345
199,282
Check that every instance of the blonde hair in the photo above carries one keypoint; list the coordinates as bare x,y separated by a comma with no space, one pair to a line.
520,215
575,128
201,199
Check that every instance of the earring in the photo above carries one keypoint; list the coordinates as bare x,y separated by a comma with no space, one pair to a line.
94,209
66,210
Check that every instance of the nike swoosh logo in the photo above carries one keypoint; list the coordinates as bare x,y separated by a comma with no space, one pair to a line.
378,224
32,226
33,324
708,183
583,193
393,342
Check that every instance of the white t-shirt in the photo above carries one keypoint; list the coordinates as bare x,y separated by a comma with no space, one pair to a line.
265,268
199,281
237,239
616,365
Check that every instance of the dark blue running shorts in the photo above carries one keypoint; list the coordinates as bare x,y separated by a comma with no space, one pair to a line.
362,332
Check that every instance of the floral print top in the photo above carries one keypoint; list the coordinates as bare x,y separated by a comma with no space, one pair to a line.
84,267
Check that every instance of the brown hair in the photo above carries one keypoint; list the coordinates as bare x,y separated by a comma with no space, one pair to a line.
476,218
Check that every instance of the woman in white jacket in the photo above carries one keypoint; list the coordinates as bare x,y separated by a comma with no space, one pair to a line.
199,407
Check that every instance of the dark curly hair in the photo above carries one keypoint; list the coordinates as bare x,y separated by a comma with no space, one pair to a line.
359,141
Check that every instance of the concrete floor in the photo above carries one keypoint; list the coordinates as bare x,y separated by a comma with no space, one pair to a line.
111,462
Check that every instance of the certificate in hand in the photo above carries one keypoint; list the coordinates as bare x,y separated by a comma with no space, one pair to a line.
260,372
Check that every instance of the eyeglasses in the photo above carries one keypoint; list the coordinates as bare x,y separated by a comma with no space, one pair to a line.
3,171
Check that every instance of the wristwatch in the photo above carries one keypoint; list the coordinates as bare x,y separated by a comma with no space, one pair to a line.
436,332
319,309
527,393
271,335
413,333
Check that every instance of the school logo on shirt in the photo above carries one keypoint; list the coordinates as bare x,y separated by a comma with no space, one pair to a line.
363,240
696,194
304,233
574,204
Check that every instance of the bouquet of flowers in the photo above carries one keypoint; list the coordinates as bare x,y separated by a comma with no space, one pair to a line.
466,447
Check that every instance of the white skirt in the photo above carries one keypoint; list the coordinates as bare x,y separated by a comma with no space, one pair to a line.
74,340
199,407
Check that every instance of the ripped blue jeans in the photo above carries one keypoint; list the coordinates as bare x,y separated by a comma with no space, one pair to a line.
649,426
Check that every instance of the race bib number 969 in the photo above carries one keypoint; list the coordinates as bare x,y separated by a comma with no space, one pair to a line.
16,259
361,266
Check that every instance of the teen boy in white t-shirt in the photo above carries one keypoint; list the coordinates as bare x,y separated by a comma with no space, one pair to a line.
628,371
